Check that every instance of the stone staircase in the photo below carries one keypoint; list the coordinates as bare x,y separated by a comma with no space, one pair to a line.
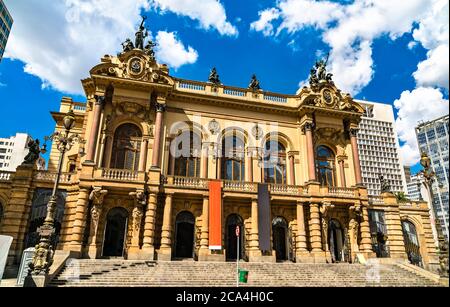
122,273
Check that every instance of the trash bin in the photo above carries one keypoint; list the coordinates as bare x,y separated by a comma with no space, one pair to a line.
243,276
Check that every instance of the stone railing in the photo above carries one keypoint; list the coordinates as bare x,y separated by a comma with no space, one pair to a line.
275,98
240,186
79,107
376,200
5,176
221,90
189,85
341,192
188,182
234,92
286,189
47,176
119,175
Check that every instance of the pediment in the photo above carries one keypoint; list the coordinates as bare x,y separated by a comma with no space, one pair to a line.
327,96
134,65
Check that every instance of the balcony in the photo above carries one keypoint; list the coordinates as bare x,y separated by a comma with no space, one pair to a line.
278,190
342,192
119,175
50,177
187,183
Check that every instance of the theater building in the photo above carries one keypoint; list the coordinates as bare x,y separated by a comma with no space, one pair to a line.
170,168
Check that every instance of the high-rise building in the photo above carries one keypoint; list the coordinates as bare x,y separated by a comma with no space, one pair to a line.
379,149
432,137
6,23
415,192
13,151
407,170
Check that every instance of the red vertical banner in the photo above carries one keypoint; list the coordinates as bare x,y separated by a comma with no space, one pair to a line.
215,215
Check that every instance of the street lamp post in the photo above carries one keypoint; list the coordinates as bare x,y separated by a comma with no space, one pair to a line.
429,177
43,255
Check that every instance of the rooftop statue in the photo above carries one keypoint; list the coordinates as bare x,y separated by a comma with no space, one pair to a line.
141,35
214,77
254,84
34,152
319,73
385,185
127,45
149,49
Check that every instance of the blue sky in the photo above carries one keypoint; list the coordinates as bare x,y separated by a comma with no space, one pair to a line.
44,62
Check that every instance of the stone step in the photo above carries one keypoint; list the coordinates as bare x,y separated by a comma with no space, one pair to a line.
115,273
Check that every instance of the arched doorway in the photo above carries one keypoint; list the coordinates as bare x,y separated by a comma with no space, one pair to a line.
279,234
184,235
412,245
336,240
233,221
115,233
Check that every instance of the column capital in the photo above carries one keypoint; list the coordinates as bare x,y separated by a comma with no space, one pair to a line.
292,154
161,107
99,100
342,158
308,126
353,131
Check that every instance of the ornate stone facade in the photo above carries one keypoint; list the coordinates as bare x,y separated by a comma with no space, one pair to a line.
131,195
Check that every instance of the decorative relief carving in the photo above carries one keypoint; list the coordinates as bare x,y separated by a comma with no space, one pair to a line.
139,198
97,197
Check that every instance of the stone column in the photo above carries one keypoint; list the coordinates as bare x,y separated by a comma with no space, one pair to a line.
101,155
165,252
355,152
149,227
341,161
204,161
308,129
302,250
292,169
108,150
143,155
366,241
156,159
316,234
92,142
219,168
249,164
254,251
204,239
79,224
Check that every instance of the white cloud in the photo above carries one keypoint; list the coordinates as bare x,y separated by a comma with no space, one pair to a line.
60,41
421,104
264,24
433,34
210,13
172,51
349,29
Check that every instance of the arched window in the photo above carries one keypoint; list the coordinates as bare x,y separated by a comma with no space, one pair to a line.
187,152
126,147
412,245
325,165
275,163
233,165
